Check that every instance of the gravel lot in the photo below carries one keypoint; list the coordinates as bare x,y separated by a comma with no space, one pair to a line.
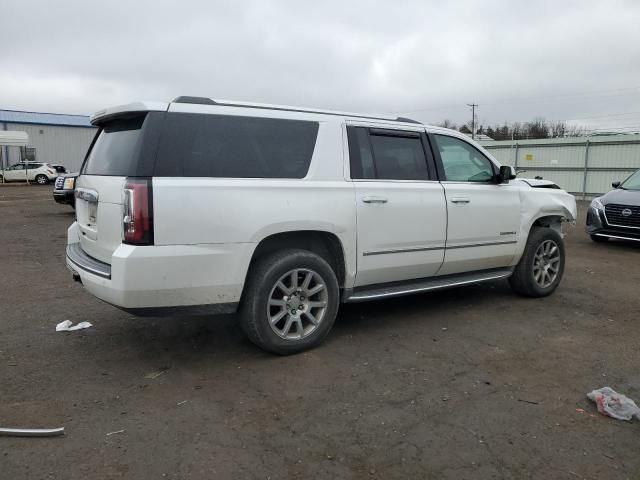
467,383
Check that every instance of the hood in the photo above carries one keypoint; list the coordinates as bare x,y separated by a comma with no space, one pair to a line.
535,183
621,196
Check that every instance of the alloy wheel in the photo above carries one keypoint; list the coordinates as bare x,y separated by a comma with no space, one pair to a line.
297,304
546,263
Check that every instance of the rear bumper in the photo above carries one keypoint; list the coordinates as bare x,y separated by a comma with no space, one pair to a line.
597,225
77,259
164,280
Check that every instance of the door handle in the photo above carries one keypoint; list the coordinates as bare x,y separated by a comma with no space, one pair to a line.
460,200
374,200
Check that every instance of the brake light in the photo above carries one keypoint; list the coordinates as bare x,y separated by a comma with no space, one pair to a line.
51,171
137,218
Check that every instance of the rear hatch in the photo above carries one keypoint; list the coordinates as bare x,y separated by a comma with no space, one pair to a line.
123,148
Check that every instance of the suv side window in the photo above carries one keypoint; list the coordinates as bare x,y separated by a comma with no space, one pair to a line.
198,145
462,162
386,154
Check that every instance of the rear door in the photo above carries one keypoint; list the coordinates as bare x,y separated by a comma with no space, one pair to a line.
401,211
124,147
34,169
483,216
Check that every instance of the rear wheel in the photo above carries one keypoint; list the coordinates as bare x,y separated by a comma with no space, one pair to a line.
42,179
542,265
599,239
290,301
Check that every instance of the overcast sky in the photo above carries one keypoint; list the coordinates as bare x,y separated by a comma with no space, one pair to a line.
562,60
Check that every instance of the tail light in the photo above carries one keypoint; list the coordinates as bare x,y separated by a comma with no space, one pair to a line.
137,219
51,171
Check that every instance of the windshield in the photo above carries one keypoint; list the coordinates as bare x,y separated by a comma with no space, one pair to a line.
633,182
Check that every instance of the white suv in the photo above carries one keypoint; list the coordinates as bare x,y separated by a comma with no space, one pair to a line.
41,173
283,213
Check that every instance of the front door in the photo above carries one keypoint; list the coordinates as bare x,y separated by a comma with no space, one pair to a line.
401,210
483,216
15,173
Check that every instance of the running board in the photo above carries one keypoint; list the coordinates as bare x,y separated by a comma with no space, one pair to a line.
396,289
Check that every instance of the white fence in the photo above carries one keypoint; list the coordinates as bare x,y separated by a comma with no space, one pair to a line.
584,166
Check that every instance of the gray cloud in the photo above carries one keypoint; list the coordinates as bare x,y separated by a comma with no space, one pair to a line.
517,59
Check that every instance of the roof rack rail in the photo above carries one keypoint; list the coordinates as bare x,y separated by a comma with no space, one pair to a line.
407,120
208,101
196,100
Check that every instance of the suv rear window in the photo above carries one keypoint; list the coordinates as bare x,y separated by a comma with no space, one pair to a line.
115,150
197,145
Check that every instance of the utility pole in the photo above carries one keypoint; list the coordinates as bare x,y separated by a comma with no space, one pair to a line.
473,119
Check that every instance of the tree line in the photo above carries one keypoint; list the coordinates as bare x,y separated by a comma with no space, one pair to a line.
537,128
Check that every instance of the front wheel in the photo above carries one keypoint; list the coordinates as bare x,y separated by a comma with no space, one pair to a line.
42,179
290,301
541,267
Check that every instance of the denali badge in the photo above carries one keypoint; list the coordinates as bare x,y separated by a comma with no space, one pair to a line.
626,212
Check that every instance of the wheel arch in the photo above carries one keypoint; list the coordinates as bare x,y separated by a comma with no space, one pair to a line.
321,242
549,221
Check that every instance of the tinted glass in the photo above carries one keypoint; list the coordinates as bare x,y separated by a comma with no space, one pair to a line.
115,151
195,145
399,158
462,162
360,157
33,166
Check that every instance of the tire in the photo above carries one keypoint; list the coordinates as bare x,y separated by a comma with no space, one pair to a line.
598,239
534,274
42,179
269,292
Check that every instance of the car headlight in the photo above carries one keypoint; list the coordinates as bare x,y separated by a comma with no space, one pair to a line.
597,204
68,183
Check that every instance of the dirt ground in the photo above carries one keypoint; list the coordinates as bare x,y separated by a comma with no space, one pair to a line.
472,383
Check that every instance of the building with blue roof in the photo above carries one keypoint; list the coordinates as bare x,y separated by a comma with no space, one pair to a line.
53,137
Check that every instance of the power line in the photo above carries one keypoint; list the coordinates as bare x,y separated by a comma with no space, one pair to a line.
550,120
525,99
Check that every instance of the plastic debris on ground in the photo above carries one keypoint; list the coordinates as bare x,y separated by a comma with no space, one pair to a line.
614,404
66,326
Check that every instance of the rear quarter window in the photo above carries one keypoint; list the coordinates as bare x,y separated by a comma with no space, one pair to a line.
199,145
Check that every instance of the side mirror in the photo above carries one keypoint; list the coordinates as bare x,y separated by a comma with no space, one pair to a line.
615,184
506,173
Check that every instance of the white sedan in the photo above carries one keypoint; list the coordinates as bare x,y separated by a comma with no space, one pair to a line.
41,173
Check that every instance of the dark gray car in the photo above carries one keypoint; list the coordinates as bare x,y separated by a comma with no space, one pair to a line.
617,213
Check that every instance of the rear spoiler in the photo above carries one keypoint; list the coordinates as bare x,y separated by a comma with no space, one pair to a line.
106,114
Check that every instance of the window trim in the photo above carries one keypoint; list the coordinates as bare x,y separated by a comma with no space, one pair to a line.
442,177
354,153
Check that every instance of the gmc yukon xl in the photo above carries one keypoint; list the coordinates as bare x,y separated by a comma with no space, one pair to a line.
282,213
